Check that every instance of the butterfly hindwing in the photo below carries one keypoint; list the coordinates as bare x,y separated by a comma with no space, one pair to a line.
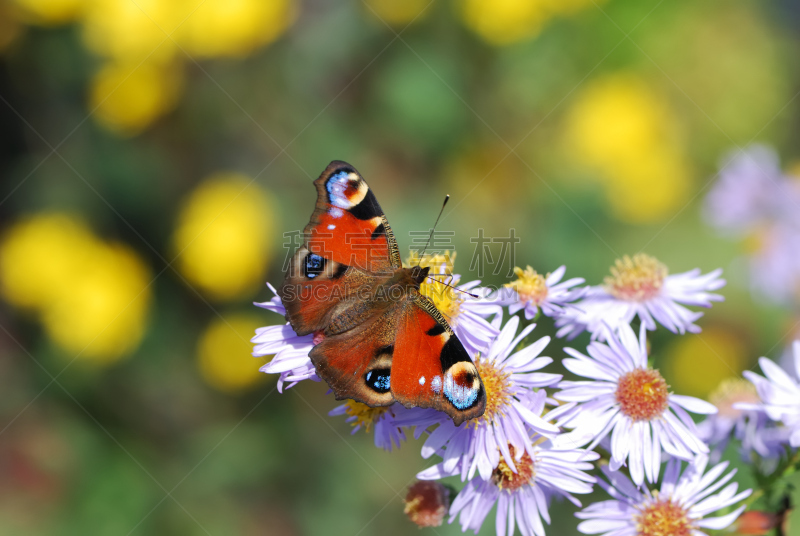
348,225
431,368
356,363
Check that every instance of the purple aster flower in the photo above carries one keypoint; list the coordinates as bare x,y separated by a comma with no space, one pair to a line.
640,286
384,421
470,324
779,393
522,490
753,197
751,191
291,359
630,401
775,266
532,291
513,409
751,428
681,507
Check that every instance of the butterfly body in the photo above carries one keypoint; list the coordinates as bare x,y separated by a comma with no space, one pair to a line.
380,340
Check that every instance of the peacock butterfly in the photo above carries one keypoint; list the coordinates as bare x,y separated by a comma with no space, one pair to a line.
377,338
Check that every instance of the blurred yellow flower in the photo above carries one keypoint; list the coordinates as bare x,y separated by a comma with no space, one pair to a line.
502,22
697,363
135,31
627,135
50,12
224,235
398,11
41,256
235,27
649,186
103,313
224,353
143,79
130,96
571,6
616,116
92,297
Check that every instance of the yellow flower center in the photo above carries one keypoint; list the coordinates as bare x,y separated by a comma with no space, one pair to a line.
365,416
530,285
445,298
642,394
731,391
663,518
498,391
636,279
506,479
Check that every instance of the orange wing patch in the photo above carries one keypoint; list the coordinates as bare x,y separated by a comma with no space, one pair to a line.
315,287
348,225
432,369
357,363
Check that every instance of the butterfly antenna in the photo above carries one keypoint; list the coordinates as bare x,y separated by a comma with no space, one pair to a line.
432,276
446,199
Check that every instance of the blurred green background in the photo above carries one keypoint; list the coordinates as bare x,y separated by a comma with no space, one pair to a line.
154,154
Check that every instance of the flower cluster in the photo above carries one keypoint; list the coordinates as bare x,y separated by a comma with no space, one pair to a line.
92,296
143,45
779,394
542,437
754,200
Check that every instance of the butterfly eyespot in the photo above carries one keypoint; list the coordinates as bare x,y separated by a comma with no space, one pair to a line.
345,189
378,380
313,265
461,385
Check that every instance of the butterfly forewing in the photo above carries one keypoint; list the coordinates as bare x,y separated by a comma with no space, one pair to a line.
315,286
348,225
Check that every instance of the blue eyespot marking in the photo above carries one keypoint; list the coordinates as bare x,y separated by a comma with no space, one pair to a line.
379,380
337,185
313,265
461,396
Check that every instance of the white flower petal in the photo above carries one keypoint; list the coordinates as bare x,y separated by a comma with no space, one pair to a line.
695,405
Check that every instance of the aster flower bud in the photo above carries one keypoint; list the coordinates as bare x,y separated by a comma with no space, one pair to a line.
756,523
427,503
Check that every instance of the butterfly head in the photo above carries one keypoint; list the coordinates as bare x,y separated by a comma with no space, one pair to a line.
418,274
